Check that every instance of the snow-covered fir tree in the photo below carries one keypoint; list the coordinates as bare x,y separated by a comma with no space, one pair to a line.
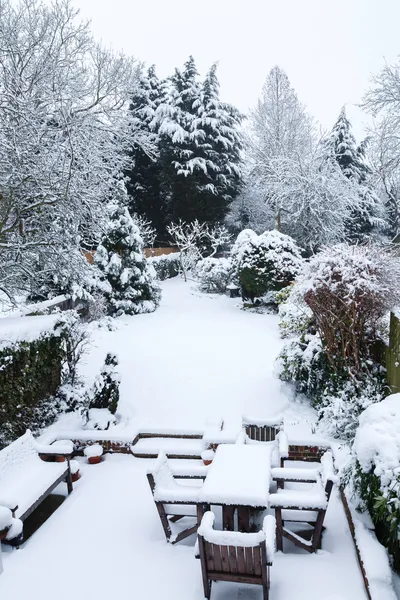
145,173
341,146
126,279
199,148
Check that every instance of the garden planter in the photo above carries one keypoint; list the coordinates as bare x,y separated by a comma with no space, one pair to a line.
3,533
75,476
207,456
60,458
93,454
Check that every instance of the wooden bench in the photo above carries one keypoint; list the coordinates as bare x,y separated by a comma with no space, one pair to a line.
234,556
25,479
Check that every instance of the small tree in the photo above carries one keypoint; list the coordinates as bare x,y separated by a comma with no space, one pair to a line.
265,263
106,386
195,240
127,280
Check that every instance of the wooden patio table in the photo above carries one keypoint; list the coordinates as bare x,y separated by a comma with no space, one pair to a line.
238,480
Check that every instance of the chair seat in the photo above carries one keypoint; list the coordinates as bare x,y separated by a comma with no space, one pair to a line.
288,474
313,499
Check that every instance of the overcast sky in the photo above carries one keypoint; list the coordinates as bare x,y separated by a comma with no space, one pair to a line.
328,48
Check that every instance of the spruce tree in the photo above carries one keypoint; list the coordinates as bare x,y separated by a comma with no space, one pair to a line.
341,146
126,280
145,175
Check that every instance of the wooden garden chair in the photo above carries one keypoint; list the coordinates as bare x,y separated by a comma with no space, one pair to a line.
262,430
174,500
304,506
234,556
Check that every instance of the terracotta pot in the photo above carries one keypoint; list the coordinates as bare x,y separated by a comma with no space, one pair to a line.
207,462
75,476
94,460
45,457
3,533
60,458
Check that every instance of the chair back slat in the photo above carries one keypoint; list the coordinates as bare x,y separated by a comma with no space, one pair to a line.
209,551
233,566
257,560
248,557
262,433
240,560
217,557
225,559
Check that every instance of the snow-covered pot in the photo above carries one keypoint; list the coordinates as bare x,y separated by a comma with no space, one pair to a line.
93,454
74,465
207,456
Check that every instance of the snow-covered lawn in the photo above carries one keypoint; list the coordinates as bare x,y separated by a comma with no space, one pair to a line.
196,357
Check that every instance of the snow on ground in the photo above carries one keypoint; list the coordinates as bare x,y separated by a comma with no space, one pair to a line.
196,358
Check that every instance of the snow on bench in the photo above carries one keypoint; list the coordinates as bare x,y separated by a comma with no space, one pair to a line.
25,479
177,447
293,474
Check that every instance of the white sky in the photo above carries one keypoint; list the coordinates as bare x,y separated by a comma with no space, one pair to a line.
329,48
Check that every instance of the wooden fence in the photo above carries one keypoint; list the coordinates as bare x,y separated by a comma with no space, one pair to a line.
393,355
159,251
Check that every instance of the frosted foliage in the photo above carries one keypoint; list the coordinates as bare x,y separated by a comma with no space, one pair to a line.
377,441
214,274
127,279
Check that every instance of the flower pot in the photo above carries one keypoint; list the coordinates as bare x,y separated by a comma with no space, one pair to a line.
60,458
207,456
3,533
75,476
94,460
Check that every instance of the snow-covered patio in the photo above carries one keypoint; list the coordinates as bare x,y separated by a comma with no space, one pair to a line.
106,539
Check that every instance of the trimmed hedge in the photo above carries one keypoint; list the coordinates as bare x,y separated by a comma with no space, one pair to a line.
30,374
167,265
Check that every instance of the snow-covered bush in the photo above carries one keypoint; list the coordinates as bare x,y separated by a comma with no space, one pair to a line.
214,274
105,392
127,280
166,266
264,263
377,472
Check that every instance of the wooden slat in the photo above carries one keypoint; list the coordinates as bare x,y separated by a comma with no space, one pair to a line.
233,565
208,548
228,518
225,559
257,560
217,557
243,518
248,558
241,562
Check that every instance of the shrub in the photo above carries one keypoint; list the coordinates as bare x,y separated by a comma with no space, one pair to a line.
105,392
166,266
376,474
214,274
264,263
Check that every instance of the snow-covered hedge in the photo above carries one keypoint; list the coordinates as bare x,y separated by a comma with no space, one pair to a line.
377,450
264,263
166,266
214,274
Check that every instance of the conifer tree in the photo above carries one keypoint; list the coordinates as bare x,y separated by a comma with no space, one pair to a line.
341,146
126,280
144,175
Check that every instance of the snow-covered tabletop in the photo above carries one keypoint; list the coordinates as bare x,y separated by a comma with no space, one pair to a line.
239,475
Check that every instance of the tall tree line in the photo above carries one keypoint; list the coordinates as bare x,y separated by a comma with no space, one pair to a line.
195,172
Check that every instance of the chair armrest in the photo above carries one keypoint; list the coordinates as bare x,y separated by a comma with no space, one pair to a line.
283,444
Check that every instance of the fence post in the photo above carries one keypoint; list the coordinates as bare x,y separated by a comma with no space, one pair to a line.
393,355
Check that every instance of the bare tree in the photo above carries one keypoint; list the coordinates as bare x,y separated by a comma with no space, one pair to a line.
63,130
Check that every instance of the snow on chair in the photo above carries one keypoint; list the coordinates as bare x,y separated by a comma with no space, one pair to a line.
304,506
173,500
262,430
234,556
25,479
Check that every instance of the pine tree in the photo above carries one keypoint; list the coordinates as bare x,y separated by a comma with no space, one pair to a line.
145,174
341,146
127,281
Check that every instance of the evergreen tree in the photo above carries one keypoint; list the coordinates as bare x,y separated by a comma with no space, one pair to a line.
144,175
200,148
341,146
127,281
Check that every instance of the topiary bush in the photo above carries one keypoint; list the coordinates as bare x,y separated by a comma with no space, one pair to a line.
105,393
264,263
